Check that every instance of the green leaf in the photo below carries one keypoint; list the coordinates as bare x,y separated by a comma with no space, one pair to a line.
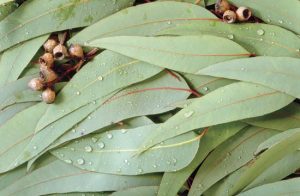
97,152
228,157
284,119
6,7
38,17
286,187
226,104
259,39
173,181
145,191
50,178
282,13
172,52
161,91
280,73
107,73
11,111
145,19
153,96
276,172
130,123
267,159
10,93
272,141
14,60
16,134
206,84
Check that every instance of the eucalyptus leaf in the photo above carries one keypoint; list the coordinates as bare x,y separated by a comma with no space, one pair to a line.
259,39
182,53
228,157
113,152
272,141
282,13
286,187
145,191
12,110
284,119
107,73
280,73
6,7
276,172
16,134
206,84
233,102
173,181
14,60
39,17
145,19
50,178
153,96
267,159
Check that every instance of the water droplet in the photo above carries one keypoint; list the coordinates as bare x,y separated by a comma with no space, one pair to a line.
72,149
125,161
94,139
109,136
34,147
261,39
80,161
77,93
260,32
280,21
73,130
230,36
68,161
169,22
188,114
94,102
88,149
140,170
90,163
155,166
100,78
101,145
123,130
243,69
205,88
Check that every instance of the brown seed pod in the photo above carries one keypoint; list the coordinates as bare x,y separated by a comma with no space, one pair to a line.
47,60
50,44
36,84
47,74
60,52
243,13
221,6
229,16
76,51
48,95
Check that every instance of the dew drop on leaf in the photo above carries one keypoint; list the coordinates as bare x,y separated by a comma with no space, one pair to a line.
230,36
94,139
80,161
100,78
109,136
188,114
68,161
101,145
260,32
88,148
205,88
77,93
140,170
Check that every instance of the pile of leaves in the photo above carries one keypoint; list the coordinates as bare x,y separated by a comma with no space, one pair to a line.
175,102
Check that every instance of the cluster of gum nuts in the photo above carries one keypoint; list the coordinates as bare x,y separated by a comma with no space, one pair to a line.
231,14
54,51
